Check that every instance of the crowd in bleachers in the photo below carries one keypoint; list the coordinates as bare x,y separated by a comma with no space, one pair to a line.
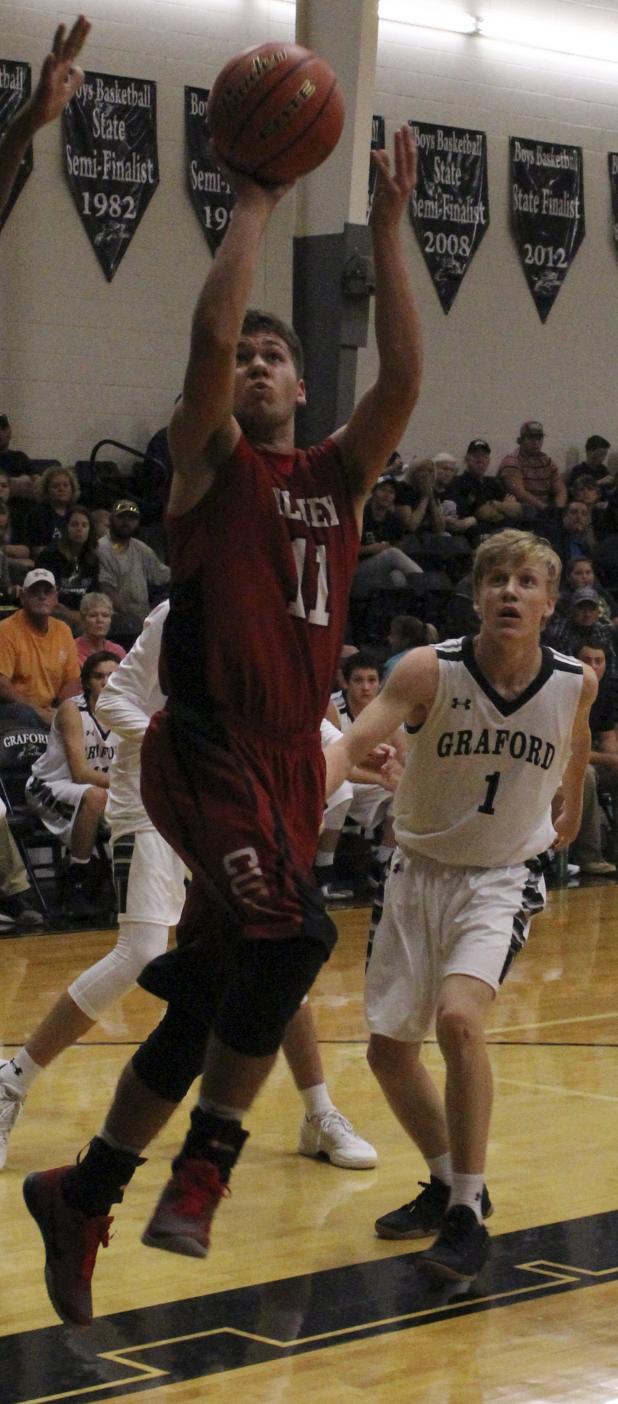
80,574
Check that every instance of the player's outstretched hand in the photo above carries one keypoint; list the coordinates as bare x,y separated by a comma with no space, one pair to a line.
394,187
60,78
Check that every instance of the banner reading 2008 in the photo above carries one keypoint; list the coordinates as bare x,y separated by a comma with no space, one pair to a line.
111,161
547,213
14,92
449,209
211,195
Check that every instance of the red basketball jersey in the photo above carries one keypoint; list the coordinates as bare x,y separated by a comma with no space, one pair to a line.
261,570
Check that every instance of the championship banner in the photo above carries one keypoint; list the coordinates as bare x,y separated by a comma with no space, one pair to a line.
112,166
449,209
612,162
14,92
211,195
378,138
547,213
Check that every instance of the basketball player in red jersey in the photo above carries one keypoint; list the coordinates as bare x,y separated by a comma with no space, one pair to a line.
263,541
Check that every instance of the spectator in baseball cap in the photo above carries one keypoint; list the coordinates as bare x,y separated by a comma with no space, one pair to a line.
531,476
481,495
38,657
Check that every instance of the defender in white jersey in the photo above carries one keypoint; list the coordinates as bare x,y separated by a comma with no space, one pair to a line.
497,729
68,785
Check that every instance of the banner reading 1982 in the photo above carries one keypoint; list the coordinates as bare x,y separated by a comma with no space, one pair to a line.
211,195
547,213
449,209
111,160
14,92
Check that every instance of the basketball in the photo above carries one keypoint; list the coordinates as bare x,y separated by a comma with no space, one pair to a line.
275,112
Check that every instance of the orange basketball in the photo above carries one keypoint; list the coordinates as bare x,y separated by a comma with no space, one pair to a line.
275,112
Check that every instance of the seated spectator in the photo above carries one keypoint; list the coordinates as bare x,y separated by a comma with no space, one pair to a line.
95,613
446,496
100,517
586,490
381,565
406,632
10,534
17,904
57,491
74,563
69,783
578,574
38,658
593,466
603,727
530,475
480,495
581,625
572,536
14,463
131,574
363,801
416,503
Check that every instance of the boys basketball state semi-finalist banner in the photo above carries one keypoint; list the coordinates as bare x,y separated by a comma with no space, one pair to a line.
210,194
547,213
14,92
111,160
449,209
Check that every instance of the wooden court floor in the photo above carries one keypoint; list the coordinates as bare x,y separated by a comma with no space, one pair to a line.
298,1300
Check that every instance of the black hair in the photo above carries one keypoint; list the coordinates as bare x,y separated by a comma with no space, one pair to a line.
363,659
257,321
597,441
411,631
93,660
599,644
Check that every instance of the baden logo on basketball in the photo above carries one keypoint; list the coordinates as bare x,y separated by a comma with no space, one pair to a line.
233,98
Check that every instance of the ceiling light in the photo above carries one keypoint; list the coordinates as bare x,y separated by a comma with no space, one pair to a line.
450,17
583,42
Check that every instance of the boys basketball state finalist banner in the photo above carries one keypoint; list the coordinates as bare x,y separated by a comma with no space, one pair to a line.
449,209
547,213
14,92
211,196
378,137
112,166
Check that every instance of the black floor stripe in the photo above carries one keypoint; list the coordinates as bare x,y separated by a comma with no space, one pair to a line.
209,1335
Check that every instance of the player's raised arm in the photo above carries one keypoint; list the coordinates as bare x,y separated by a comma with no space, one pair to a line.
377,423
202,431
407,696
59,80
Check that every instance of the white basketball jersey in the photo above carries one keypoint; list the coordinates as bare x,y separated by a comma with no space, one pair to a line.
99,747
131,696
481,771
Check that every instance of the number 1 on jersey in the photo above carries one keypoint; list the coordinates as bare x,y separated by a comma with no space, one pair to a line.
317,613
487,807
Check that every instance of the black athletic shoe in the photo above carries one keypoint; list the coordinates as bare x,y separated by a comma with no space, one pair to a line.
425,1214
461,1249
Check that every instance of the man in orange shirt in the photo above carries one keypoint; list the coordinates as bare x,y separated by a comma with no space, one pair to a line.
38,657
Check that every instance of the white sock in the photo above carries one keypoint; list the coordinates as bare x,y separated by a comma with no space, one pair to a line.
19,1073
316,1099
323,860
468,1189
207,1105
113,1144
79,862
441,1166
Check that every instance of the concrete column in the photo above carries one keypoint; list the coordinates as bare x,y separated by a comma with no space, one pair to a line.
332,269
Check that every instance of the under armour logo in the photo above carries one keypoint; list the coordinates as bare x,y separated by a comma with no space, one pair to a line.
18,1071
463,702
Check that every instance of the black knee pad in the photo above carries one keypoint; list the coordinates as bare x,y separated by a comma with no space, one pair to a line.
173,1055
270,981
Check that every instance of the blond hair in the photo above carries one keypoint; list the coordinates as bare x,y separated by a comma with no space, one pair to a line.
516,548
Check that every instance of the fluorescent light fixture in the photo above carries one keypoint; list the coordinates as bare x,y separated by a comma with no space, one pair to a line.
582,42
428,16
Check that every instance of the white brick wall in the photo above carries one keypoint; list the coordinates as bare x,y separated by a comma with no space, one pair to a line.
81,359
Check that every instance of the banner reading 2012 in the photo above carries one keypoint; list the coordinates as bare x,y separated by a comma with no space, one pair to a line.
547,213
111,160
211,195
14,92
449,209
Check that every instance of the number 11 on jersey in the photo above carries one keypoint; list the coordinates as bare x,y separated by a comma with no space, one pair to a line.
301,608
